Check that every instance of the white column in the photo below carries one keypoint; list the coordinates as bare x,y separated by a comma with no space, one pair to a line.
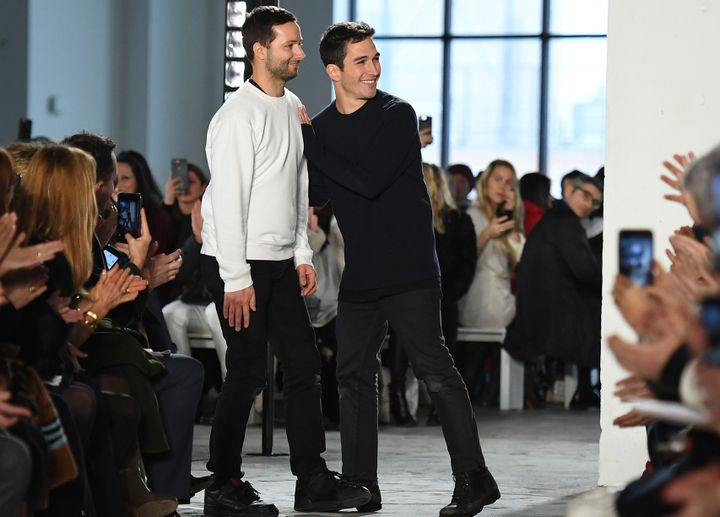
663,96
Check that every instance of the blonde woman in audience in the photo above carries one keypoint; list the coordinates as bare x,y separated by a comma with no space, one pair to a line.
497,217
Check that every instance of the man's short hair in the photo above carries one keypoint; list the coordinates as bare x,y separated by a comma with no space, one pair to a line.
462,170
570,176
100,148
258,26
333,43
581,179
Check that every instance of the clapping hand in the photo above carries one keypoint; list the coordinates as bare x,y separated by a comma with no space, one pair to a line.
675,178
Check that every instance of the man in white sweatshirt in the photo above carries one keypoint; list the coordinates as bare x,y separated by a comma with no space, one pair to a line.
258,265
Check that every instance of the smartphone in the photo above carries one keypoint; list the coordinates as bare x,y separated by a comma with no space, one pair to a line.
425,122
636,255
129,206
179,169
24,130
503,212
111,257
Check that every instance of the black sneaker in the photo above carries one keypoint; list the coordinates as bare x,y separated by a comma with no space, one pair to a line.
326,491
229,500
375,502
473,491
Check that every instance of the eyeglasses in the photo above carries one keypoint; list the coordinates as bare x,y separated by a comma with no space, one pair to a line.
596,203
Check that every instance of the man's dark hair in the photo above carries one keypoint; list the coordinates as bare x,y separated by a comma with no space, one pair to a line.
581,179
258,26
463,170
535,187
570,176
333,43
97,146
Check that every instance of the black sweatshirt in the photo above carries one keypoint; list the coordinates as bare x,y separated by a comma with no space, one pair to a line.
368,165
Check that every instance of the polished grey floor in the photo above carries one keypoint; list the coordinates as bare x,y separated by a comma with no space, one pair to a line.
540,459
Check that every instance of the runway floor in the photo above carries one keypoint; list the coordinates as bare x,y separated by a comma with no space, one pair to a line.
540,459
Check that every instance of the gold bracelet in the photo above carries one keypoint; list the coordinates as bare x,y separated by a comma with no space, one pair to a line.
90,319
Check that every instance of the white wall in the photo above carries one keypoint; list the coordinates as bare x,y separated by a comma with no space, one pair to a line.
146,73
13,63
663,96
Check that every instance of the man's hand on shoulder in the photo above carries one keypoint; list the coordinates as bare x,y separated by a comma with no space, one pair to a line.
304,117
308,279
237,307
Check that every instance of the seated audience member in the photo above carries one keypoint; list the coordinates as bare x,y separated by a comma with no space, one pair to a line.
189,312
676,361
328,248
558,290
455,245
497,217
177,390
593,224
535,194
179,203
463,182
134,176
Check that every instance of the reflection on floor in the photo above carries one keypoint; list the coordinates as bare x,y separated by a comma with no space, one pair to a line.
539,458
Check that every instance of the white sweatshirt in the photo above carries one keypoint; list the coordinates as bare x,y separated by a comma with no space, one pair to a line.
255,206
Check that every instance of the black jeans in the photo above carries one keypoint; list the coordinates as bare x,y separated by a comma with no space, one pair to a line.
415,318
281,319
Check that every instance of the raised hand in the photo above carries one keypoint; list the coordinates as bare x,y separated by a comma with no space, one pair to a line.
163,268
674,179
25,285
138,247
19,257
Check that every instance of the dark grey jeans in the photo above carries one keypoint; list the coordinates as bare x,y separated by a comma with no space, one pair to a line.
415,318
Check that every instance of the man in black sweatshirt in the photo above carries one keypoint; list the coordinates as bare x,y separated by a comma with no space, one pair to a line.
364,155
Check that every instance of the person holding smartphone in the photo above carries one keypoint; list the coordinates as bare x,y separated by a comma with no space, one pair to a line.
364,153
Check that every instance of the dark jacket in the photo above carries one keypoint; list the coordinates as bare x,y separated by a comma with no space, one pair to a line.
457,254
559,294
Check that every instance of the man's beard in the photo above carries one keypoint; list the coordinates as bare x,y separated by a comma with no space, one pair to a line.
282,71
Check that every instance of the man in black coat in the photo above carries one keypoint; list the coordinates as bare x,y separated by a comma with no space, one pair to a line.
559,285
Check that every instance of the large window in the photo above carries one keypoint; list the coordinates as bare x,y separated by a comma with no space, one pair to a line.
522,80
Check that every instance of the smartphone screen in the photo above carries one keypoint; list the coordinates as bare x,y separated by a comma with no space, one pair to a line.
178,168
636,255
111,258
129,206
425,122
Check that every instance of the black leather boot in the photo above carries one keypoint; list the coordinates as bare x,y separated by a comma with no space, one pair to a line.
375,502
399,407
327,491
473,491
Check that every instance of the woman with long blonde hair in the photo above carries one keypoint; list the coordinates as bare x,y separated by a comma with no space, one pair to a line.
497,217
57,201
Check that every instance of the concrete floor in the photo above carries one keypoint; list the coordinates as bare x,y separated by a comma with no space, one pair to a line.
540,459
